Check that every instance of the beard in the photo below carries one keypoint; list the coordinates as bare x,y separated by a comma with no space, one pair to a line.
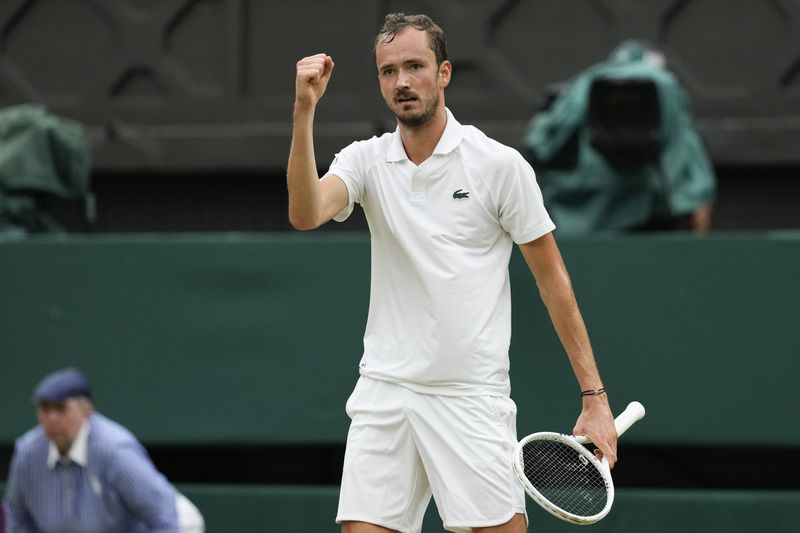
421,118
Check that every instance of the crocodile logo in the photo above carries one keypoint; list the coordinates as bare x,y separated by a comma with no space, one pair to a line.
459,195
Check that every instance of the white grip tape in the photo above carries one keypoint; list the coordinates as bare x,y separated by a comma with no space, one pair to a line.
632,414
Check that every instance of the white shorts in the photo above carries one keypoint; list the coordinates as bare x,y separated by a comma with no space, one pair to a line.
404,446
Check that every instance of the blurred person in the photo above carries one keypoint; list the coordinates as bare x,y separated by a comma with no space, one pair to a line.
616,149
431,413
80,472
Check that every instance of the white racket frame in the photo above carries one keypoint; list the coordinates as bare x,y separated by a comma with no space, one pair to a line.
632,413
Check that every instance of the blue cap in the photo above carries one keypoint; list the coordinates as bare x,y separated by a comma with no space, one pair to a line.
62,385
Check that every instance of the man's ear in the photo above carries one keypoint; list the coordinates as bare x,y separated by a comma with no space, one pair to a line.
445,71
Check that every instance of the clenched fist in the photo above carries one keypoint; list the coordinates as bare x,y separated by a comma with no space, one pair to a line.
313,74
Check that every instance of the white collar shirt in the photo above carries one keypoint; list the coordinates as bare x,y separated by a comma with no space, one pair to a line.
442,233
77,453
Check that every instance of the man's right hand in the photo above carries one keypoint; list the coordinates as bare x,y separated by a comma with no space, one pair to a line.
313,74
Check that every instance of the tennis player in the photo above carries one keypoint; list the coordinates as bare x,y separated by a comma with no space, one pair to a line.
431,412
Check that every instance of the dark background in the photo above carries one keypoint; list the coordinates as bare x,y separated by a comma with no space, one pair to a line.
188,102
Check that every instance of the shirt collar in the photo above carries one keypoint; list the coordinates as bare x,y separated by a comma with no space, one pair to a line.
451,138
77,453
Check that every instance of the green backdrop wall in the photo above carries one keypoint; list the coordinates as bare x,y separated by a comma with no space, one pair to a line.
259,509
256,339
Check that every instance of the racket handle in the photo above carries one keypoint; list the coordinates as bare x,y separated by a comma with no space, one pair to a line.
633,413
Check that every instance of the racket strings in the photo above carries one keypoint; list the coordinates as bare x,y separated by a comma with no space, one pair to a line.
564,477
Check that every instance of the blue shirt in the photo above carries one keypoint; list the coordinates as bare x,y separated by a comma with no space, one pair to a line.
118,489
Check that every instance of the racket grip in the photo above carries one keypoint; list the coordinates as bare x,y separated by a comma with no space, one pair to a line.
633,413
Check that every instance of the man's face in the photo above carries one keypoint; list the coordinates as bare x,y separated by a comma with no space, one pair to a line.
61,422
411,82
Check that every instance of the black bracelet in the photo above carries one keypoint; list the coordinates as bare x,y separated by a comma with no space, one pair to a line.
593,392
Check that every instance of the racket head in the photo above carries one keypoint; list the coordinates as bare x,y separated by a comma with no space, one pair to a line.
564,477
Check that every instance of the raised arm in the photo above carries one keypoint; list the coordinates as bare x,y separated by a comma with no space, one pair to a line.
596,420
312,201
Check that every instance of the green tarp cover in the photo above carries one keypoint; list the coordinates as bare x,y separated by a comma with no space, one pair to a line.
593,195
40,153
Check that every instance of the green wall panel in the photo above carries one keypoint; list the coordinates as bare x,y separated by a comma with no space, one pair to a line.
256,338
306,509
258,508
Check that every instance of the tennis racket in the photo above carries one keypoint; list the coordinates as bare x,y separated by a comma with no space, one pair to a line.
564,477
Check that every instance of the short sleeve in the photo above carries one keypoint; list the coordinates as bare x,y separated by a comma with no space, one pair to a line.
521,207
348,165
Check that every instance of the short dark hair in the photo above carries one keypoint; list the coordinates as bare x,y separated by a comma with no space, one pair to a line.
397,22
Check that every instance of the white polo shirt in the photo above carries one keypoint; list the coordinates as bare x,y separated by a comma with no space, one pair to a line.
442,234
